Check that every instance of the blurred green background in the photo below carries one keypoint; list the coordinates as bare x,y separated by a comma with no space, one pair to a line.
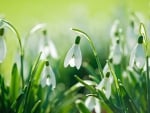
92,16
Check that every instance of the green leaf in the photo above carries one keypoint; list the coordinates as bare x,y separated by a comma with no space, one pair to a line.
39,71
35,106
17,104
15,83
81,107
79,85
85,84
128,101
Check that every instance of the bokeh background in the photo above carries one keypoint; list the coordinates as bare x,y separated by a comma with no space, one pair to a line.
92,16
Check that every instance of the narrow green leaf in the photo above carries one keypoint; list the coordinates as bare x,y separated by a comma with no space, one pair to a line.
85,84
81,107
15,83
35,106
18,102
79,85
38,71
128,101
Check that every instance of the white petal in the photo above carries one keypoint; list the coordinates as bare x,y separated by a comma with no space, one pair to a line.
108,89
132,57
72,62
105,69
52,77
140,62
117,54
105,86
69,56
2,49
45,52
53,50
114,28
78,56
101,85
97,106
90,103
48,81
140,56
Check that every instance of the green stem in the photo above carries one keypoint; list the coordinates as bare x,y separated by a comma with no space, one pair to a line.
93,49
21,47
148,93
117,86
32,73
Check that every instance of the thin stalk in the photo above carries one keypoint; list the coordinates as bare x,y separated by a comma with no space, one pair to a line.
33,71
131,100
21,48
148,92
117,86
93,49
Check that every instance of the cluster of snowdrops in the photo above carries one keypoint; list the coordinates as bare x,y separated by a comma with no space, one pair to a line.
120,86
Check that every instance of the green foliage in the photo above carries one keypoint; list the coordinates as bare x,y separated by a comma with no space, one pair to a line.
122,85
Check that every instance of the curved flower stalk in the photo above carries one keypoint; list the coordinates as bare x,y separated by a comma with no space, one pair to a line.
146,45
93,49
3,49
48,77
4,23
74,56
48,48
93,104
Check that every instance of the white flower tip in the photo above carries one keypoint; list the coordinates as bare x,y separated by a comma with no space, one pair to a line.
37,27
65,63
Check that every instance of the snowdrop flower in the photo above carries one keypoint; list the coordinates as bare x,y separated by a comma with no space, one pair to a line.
2,45
137,55
116,52
74,57
93,104
105,85
114,29
48,48
48,77
115,48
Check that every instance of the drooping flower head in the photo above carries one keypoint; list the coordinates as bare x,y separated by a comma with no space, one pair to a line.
74,57
138,55
93,104
116,43
48,77
48,48
2,45
106,82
